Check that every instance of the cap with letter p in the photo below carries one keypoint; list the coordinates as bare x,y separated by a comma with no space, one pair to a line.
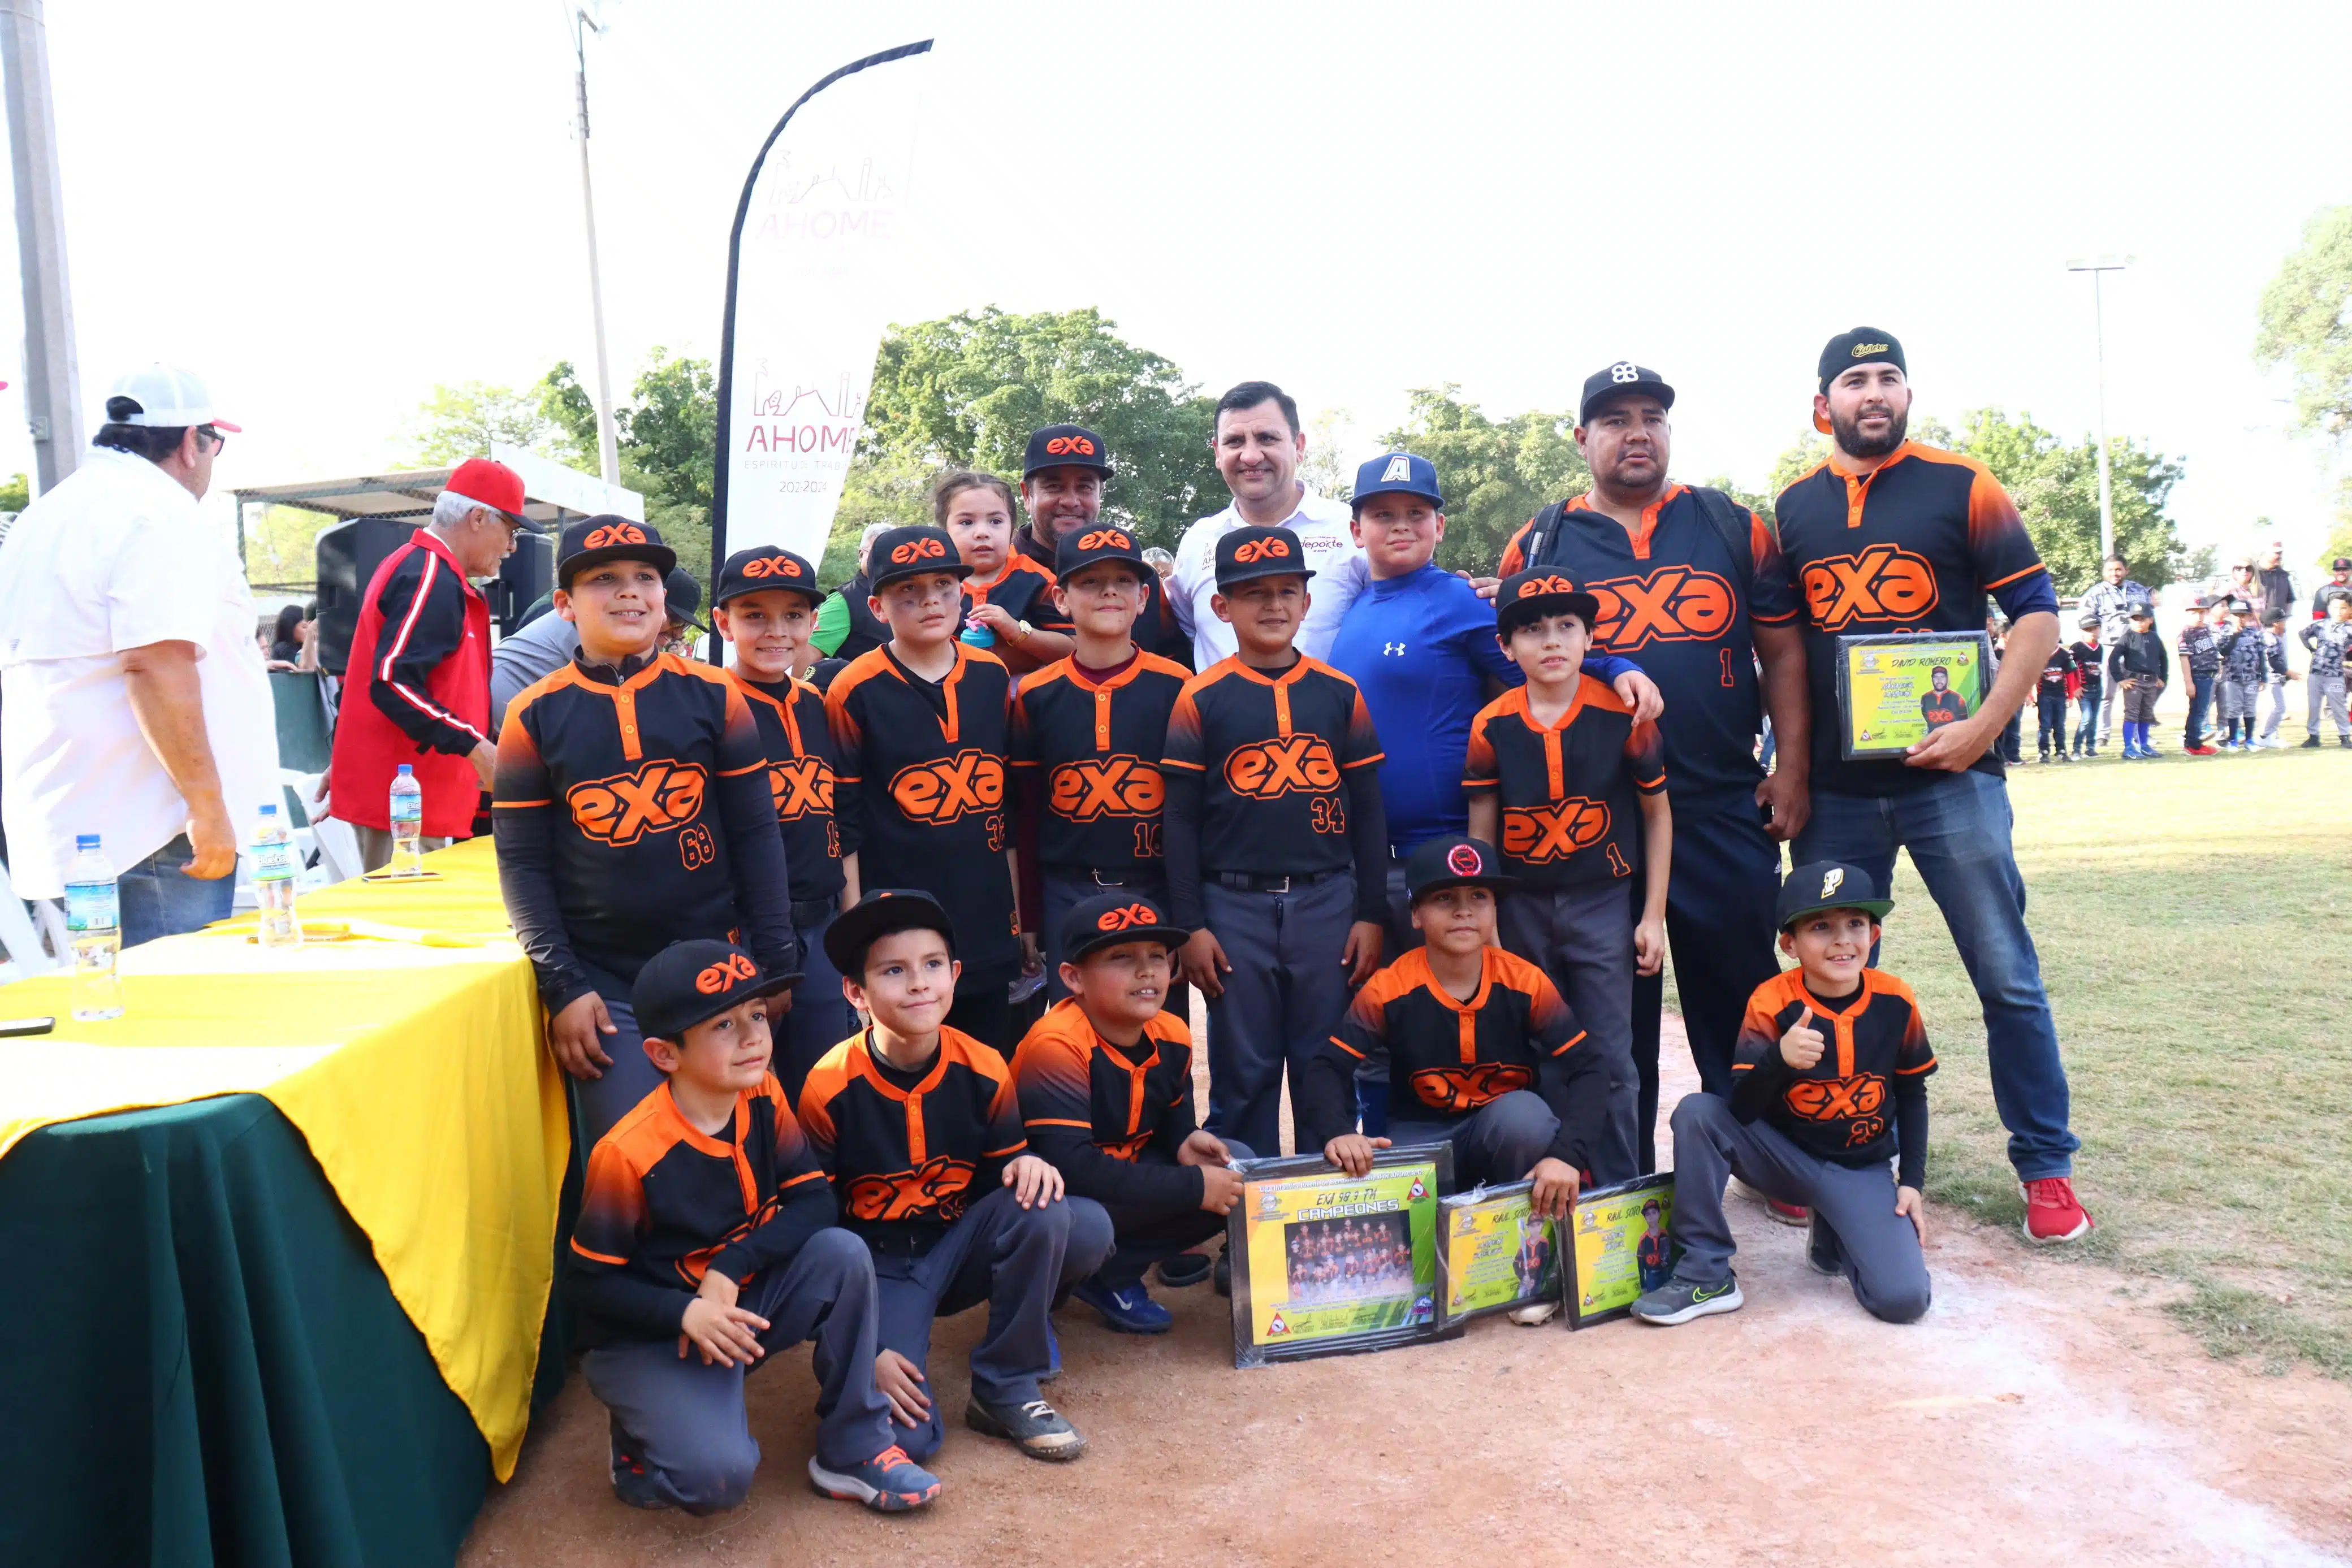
1109,919
692,982
1065,446
166,398
1398,474
1250,552
1828,884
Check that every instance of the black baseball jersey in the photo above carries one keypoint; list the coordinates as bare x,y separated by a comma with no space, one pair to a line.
1569,815
2200,649
1866,1101
663,1201
2089,658
799,743
1913,546
1088,745
2053,674
631,810
1023,588
1109,1117
922,789
1450,1058
1276,776
910,1152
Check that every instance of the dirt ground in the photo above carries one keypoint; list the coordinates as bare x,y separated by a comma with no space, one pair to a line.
2045,1411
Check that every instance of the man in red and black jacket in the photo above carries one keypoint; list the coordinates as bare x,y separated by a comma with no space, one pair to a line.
631,811
418,689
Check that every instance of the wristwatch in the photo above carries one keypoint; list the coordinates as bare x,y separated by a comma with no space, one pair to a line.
1024,629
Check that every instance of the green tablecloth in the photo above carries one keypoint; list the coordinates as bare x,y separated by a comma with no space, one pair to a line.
203,1364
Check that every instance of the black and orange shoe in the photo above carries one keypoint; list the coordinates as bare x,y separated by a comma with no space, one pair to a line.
632,1482
890,1482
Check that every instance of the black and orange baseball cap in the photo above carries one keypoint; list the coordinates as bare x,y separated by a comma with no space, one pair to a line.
691,982
1540,592
1108,919
592,541
910,552
765,567
881,912
1250,552
1082,547
1453,860
1065,446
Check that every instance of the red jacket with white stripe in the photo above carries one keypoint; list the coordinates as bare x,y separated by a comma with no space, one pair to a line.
417,690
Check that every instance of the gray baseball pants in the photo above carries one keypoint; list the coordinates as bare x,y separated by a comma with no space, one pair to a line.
1285,997
1497,1144
1583,937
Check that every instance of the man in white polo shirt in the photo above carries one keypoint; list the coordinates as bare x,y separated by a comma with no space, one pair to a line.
133,703
1259,445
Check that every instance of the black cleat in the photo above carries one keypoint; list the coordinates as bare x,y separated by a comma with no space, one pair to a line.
1185,1269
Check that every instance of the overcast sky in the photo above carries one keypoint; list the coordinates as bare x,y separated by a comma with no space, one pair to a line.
326,209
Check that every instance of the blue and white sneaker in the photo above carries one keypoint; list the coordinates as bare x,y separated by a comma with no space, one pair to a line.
890,1482
1130,1310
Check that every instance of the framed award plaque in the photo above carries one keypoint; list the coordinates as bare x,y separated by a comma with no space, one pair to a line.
1617,1246
1493,1253
1896,690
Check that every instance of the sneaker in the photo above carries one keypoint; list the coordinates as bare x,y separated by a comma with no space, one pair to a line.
1034,1426
2198,750
2310,745
1679,1300
1185,1269
1130,1310
1786,1213
1824,1253
2345,741
1224,1275
632,1482
2269,742
1534,1313
2053,1213
2063,757
890,1482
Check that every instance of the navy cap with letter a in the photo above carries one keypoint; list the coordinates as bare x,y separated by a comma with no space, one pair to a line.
1398,474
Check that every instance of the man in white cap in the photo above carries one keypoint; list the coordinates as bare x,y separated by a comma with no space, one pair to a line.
133,703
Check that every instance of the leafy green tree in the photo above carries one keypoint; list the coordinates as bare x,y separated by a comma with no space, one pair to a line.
667,438
1496,474
966,391
2056,488
16,494
281,544
461,421
2305,316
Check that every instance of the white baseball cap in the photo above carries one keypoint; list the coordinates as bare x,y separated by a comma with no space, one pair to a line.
168,398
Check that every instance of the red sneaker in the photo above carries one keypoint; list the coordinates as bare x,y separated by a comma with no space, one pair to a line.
1787,1213
2201,751
2052,1212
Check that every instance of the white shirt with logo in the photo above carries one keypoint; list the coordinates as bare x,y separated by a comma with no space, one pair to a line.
119,556
1340,568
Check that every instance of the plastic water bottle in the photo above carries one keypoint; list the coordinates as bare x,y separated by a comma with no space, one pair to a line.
94,930
407,824
273,882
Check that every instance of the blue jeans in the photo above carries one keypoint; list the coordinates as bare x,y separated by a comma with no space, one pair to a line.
2200,698
158,899
1957,827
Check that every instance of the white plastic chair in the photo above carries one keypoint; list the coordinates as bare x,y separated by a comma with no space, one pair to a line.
338,846
19,937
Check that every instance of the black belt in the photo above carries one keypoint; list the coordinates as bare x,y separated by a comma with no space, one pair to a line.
1250,882
813,912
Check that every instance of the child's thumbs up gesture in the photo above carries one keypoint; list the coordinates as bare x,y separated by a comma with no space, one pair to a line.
1801,1046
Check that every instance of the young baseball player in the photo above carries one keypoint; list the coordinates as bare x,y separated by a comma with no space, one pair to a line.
2090,670
918,1126
921,727
764,606
2050,703
631,809
2276,676
1830,1083
1106,1085
1554,772
705,1243
2200,647
1482,1051
2140,669
1277,848
2244,670
1087,735
2329,643
1009,605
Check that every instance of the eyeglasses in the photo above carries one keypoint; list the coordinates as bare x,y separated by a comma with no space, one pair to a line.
214,436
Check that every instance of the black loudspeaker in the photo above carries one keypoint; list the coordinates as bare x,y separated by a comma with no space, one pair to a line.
349,554
522,577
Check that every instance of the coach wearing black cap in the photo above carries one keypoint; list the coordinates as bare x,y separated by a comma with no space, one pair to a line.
1691,585
1063,477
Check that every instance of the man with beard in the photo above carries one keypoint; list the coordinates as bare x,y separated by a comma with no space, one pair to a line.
1691,585
2112,601
1063,477
1892,535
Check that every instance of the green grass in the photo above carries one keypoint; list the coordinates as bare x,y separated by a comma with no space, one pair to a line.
2194,921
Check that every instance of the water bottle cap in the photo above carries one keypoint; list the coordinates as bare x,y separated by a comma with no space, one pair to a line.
85,841
407,771
269,810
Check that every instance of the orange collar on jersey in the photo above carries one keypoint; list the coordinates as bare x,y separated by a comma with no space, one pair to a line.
1640,532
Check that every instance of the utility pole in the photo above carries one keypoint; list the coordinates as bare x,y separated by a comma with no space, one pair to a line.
2095,266
52,373
608,446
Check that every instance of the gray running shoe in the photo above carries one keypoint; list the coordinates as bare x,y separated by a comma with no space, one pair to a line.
1034,1426
1679,1300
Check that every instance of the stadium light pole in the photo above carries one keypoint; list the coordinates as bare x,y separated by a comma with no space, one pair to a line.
2095,266
52,372
608,446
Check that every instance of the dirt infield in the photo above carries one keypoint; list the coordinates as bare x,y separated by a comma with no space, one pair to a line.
2045,1411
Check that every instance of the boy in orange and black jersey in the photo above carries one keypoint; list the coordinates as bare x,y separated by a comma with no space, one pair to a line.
1105,1084
631,809
1277,839
918,1126
1559,774
921,727
1481,1053
764,604
1088,732
1829,1087
705,1243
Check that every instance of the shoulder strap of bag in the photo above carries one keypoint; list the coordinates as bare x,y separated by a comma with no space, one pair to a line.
1719,510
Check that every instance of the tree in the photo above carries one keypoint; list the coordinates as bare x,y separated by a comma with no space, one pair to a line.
281,545
966,391
668,439
2056,488
16,494
461,421
2304,322
1495,475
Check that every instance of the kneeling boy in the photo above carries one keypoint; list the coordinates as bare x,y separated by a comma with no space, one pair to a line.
1829,1084
918,1127
1481,1049
1106,1085
705,1242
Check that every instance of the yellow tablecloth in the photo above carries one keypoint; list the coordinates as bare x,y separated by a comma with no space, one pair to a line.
416,1074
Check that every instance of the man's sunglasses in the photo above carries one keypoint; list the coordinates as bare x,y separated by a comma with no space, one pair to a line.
213,435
